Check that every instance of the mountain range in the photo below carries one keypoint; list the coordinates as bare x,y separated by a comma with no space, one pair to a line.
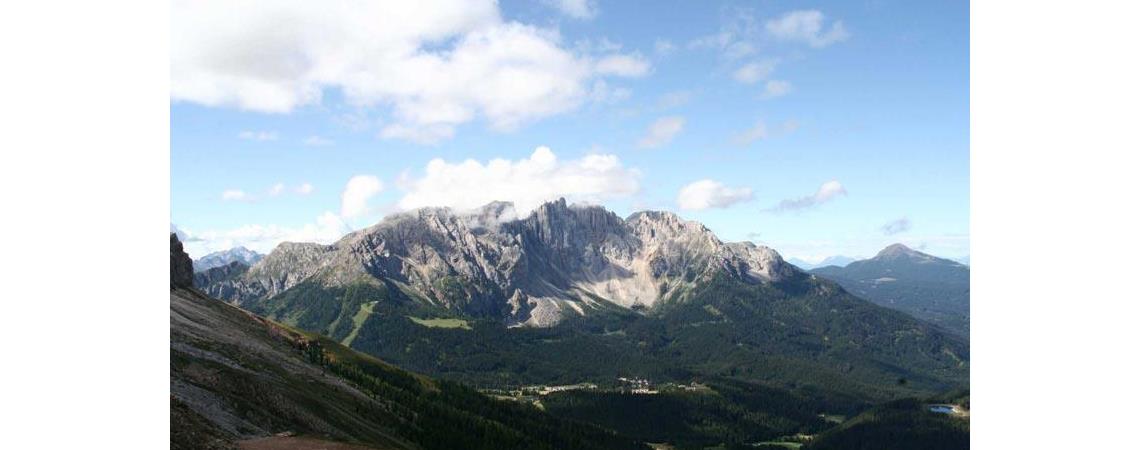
560,261
927,287
217,259
239,380
572,293
567,295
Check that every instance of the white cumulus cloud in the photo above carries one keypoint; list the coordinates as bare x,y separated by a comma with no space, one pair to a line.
304,189
431,65
357,192
327,228
527,182
705,194
662,131
806,26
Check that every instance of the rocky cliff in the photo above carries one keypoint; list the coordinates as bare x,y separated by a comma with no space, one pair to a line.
181,266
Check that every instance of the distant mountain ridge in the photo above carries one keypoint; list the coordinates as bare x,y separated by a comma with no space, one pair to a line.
836,260
925,286
225,257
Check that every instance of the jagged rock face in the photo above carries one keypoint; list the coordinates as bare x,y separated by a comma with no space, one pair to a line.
181,266
559,260
213,280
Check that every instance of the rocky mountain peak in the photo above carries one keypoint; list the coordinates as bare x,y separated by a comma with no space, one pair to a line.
663,225
897,250
181,266
562,226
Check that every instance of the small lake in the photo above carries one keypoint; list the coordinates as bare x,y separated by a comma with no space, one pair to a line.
942,409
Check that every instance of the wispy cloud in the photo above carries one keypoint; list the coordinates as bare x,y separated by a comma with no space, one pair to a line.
760,131
661,132
675,99
757,132
258,136
896,226
578,9
276,190
826,193
735,39
755,71
806,26
631,65
235,195
776,88
317,141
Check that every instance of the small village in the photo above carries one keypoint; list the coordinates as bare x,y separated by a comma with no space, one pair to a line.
626,385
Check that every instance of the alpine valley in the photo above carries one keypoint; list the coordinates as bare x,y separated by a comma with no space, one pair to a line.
648,328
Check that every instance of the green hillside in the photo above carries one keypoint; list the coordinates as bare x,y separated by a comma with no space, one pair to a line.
804,334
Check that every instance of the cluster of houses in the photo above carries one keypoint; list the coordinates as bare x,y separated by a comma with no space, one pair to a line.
641,386
636,385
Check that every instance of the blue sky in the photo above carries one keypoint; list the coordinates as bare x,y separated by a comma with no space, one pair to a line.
817,128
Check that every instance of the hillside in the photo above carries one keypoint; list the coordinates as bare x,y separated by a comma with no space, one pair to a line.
927,287
907,424
235,376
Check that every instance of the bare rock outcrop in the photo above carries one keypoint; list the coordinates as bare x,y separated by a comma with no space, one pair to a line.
181,266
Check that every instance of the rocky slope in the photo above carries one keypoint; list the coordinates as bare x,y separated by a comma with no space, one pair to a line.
561,260
213,281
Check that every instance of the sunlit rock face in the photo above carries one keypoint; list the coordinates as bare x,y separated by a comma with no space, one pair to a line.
558,261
